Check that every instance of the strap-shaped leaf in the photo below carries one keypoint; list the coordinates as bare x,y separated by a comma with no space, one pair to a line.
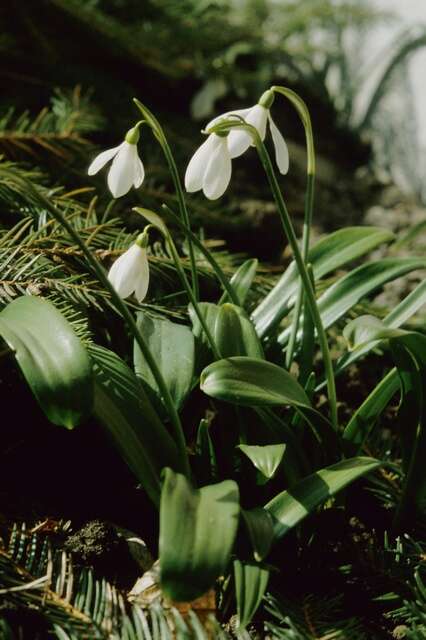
356,285
250,382
260,529
251,581
54,362
329,254
242,280
197,533
172,346
123,408
290,507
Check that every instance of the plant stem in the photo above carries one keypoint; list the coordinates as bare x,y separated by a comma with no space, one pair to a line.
122,308
159,134
191,296
307,285
227,286
309,200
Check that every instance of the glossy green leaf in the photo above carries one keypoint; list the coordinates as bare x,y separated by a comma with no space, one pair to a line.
398,316
366,328
329,254
241,281
290,507
52,359
123,408
231,329
358,284
362,421
251,581
260,529
265,458
197,533
172,346
250,382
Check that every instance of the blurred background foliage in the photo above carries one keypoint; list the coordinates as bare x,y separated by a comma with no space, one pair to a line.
71,68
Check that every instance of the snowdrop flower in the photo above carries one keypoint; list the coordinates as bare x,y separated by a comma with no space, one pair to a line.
126,168
259,117
130,272
210,167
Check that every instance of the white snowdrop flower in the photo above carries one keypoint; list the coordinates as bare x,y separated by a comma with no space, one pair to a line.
130,272
210,167
259,117
126,168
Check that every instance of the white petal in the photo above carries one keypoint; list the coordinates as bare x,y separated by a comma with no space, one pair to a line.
281,149
218,171
122,173
139,173
143,278
101,160
258,118
236,112
124,273
239,141
198,163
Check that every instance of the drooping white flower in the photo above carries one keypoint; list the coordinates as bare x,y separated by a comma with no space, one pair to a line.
126,168
130,272
210,168
259,116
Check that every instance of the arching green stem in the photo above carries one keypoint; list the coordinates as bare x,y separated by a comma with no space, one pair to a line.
305,118
156,128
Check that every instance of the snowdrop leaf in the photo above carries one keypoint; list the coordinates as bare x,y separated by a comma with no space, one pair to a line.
231,329
123,408
250,382
265,458
51,357
172,346
191,558
251,581
329,254
291,506
259,525
242,280
357,284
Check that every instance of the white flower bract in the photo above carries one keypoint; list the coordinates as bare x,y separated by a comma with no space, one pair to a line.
210,168
259,117
130,273
126,168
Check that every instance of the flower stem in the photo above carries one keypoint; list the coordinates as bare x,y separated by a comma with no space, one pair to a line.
191,296
305,118
227,286
122,308
307,285
159,134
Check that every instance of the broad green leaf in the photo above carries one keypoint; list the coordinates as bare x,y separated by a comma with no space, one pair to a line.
366,328
251,581
123,408
356,285
231,329
242,280
398,316
172,346
250,382
260,530
51,357
290,507
364,418
265,458
197,533
329,254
